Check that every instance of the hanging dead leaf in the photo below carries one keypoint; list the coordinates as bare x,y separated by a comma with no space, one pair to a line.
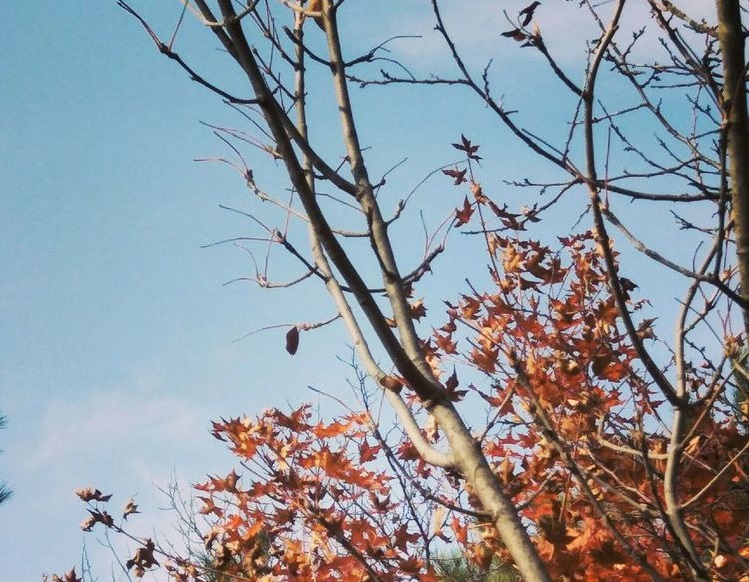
143,559
515,34
417,309
292,340
463,215
528,12
67,577
90,494
466,146
458,175
130,508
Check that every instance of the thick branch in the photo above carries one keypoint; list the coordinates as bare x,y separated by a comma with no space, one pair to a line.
736,123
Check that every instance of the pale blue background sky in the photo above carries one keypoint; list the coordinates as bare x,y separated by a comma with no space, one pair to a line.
115,331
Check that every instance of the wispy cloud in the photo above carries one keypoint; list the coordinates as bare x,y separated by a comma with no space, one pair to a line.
124,441
476,31
73,429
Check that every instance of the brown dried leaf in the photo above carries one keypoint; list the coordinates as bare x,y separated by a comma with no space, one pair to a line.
528,12
130,508
292,340
417,309
90,494
515,34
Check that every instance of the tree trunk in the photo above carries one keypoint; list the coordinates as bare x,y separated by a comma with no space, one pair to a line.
736,128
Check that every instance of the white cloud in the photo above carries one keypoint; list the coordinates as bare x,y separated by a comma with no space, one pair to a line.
71,430
476,29
124,441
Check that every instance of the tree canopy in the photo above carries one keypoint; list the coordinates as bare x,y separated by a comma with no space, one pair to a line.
578,411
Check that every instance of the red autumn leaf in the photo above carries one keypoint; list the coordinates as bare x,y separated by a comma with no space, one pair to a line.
402,537
451,388
466,146
209,507
417,309
470,307
458,175
450,326
463,215
228,483
368,452
67,577
485,360
318,497
445,343
329,430
407,451
452,382
515,34
606,368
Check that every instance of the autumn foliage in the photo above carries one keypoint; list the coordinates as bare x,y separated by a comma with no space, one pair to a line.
569,436
544,425
574,432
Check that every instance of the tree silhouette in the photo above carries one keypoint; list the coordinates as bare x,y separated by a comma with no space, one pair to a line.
5,491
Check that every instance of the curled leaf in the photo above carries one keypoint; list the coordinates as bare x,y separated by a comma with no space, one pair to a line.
417,309
528,11
67,577
515,34
466,146
143,559
458,175
463,215
90,494
292,340
130,508
101,517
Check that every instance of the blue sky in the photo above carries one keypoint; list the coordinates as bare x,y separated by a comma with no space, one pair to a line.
116,334
115,329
